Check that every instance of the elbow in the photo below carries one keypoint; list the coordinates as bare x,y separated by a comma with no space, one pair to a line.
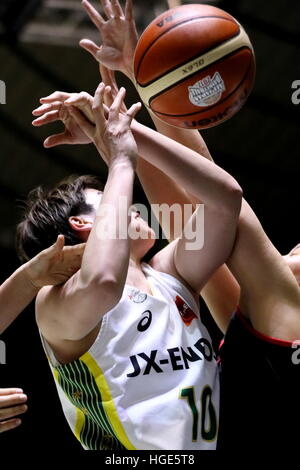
103,283
98,277
108,287
233,197
112,287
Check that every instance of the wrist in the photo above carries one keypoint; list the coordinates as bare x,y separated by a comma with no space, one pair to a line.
129,70
122,163
31,281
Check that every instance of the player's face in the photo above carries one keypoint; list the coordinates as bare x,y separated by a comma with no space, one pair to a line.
139,228
93,198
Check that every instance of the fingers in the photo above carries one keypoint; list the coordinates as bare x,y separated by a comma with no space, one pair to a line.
75,250
10,391
129,10
10,412
133,110
72,98
104,72
116,8
73,256
57,139
55,248
98,106
60,243
11,404
47,118
11,400
81,98
83,122
90,46
107,8
93,14
44,108
8,425
56,96
108,98
58,110
111,90
116,106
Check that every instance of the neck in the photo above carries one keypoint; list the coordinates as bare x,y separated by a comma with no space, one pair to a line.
136,276
135,262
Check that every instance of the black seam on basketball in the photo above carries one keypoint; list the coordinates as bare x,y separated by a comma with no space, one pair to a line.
170,29
209,107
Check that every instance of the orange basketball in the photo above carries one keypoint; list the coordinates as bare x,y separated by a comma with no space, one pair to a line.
194,66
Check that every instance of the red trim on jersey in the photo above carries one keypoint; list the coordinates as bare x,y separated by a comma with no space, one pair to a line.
186,313
269,339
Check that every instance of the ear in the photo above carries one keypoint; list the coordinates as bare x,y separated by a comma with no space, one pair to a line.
81,225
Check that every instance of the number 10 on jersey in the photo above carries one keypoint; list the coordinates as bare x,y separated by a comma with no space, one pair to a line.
208,413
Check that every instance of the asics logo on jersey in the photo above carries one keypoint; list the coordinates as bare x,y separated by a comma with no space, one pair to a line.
177,358
145,322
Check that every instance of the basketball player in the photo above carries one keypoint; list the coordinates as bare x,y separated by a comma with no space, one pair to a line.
259,373
52,266
129,366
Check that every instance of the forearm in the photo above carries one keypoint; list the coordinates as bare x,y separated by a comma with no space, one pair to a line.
106,254
148,173
190,138
221,293
15,294
197,175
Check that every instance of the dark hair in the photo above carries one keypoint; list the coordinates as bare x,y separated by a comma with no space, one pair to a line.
46,213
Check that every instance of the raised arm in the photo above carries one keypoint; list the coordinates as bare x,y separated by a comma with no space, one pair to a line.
117,49
72,311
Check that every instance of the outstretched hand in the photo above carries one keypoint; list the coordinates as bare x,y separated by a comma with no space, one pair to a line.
118,34
112,126
54,108
55,265
12,403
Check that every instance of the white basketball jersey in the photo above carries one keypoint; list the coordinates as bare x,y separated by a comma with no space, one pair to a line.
150,379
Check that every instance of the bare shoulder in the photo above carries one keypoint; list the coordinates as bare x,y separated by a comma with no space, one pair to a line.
163,261
270,294
53,329
45,312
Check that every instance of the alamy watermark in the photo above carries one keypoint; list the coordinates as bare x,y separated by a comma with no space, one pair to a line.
2,352
177,221
296,93
296,354
2,92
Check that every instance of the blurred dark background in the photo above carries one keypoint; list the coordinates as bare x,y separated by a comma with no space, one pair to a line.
39,53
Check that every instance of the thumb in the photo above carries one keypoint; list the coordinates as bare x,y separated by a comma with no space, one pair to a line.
57,139
90,46
132,111
59,244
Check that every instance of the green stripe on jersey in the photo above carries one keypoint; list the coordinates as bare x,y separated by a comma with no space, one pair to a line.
81,390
